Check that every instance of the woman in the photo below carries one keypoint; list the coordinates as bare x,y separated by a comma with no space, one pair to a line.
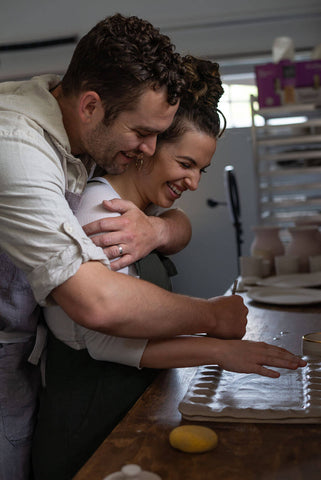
85,397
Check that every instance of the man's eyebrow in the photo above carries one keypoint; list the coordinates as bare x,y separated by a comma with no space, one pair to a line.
148,130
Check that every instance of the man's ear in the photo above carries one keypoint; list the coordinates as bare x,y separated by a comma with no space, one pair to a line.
90,107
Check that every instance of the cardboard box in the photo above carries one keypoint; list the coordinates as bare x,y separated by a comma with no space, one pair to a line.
287,83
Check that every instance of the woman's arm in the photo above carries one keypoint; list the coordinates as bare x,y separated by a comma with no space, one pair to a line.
240,356
173,230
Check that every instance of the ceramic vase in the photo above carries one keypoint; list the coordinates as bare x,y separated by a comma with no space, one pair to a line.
267,244
305,242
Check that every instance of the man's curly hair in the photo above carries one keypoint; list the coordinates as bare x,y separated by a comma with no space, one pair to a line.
119,58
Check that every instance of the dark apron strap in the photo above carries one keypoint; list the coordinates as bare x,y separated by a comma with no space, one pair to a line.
157,269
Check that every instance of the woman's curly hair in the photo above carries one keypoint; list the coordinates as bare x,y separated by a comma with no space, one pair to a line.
198,104
118,59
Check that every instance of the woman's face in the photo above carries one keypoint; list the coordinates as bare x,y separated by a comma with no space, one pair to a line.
175,168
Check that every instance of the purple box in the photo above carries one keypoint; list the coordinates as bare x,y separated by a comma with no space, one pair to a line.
288,82
268,80
309,82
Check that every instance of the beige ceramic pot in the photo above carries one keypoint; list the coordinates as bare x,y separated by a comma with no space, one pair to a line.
305,242
267,244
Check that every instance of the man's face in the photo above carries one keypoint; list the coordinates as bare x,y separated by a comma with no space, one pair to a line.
132,133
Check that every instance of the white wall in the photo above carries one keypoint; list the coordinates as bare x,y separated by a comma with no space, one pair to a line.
206,27
209,264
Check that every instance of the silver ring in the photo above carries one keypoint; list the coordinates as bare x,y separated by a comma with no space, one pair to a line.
120,250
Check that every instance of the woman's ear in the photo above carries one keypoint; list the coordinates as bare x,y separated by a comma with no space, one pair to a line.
90,107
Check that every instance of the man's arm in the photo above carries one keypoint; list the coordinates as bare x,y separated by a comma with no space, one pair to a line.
120,305
139,234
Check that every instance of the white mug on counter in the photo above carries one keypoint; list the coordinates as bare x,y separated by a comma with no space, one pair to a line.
286,264
250,267
315,263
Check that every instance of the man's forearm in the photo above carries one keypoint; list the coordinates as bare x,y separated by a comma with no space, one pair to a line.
120,305
174,231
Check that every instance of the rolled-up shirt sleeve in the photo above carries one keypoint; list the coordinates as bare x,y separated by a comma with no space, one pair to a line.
38,229
127,351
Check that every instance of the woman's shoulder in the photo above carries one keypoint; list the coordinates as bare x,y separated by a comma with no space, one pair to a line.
99,187
90,207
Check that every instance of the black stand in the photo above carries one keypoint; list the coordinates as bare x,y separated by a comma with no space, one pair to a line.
233,201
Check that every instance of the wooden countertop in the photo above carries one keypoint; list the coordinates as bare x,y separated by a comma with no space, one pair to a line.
246,451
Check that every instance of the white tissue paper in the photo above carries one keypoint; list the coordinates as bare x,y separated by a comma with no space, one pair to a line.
283,49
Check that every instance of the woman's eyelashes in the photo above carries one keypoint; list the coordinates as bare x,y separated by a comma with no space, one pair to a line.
187,165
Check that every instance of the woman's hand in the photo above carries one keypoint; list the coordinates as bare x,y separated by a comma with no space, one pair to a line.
244,356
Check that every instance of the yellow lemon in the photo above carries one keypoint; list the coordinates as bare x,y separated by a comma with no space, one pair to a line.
193,438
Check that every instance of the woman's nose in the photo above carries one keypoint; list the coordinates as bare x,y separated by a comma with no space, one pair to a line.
192,181
148,145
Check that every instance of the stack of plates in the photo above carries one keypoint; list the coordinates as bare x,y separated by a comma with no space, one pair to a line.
288,289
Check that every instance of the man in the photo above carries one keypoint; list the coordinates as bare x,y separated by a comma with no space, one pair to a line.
121,89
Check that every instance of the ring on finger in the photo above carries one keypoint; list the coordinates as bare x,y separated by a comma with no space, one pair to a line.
120,249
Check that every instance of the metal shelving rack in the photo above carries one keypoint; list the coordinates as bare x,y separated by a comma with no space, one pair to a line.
287,160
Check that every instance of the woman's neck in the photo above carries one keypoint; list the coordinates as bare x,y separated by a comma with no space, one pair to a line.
127,187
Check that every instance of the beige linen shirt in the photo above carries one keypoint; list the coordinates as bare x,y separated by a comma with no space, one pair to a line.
37,227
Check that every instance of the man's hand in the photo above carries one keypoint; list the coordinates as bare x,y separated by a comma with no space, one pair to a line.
137,233
231,317
133,231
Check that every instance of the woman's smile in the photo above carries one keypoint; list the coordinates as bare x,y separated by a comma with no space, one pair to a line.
175,190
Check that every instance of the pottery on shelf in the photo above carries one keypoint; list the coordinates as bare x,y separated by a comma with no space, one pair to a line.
314,220
305,242
267,244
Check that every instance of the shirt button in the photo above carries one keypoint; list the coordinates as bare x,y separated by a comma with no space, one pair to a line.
68,228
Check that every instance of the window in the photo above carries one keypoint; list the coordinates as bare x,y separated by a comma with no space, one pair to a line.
235,104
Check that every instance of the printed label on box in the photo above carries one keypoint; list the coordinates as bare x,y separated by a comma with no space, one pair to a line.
286,83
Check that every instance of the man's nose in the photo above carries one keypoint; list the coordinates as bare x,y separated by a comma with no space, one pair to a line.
148,145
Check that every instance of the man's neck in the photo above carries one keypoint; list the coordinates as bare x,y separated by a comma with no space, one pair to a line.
68,108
